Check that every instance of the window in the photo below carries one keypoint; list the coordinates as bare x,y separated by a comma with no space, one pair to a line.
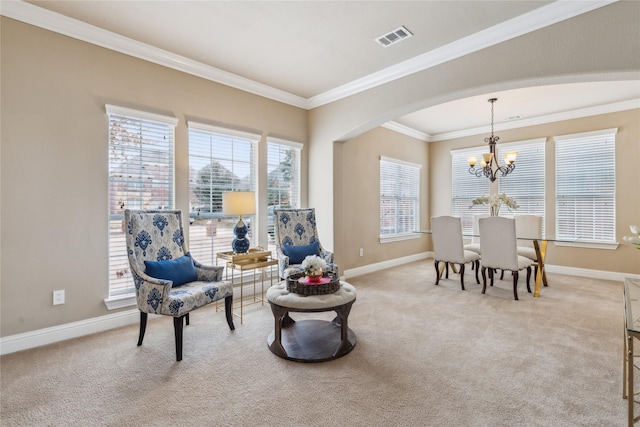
141,176
585,186
526,183
399,199
466,187
220,160
283,180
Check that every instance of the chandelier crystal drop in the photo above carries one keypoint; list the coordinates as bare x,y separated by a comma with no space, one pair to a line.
489,166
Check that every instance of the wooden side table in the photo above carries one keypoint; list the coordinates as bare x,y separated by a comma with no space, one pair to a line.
254,259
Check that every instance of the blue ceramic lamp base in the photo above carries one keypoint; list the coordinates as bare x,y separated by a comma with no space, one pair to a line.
240,243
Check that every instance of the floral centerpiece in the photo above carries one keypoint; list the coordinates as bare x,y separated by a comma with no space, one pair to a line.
313,267
495,201
634,240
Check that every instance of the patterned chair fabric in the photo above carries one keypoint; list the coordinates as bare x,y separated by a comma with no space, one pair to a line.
297,227
157,235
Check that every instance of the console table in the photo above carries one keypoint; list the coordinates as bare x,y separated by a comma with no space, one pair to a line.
254,259
631,332
311,340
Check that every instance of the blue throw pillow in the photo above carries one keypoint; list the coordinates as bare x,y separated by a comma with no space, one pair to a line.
297,254
179,271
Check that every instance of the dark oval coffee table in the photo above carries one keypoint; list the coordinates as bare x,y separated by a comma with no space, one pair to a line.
311,340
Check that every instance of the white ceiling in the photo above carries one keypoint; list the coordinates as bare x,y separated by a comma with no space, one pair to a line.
308,53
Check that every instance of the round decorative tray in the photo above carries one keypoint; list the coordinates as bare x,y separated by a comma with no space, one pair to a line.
299,284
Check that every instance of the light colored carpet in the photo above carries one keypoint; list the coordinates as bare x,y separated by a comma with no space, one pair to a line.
425,356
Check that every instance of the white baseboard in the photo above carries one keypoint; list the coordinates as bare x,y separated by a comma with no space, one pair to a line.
593,274
372,268
27,340
45,336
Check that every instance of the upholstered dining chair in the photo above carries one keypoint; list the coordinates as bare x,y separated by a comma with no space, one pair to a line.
474,246
446,233
499,251
167,279
296,237
528,227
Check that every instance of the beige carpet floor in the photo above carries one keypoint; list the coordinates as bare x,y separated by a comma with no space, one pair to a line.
425,356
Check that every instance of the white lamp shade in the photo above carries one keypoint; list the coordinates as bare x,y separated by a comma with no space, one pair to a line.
239,203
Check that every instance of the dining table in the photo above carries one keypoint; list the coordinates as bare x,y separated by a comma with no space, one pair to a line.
540,247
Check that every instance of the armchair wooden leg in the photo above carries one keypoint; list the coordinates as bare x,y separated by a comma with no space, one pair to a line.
528,279
186,318
436,264
228,306
177,327
143,327
515,285
462,276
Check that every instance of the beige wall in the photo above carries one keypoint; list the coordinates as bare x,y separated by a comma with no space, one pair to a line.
580,49
54,161
53,151
625,258
359,202
360,199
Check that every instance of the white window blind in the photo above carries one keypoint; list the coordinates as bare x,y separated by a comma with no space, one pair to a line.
526,182
220,160
465,187
399,198
141,176
585,186
283,180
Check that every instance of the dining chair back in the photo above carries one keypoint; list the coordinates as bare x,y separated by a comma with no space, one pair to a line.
499,251
475,240
528,227
448,247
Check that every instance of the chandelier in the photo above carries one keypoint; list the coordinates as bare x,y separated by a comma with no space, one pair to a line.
489,166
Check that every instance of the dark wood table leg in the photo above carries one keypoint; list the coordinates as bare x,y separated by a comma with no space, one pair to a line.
279,314
343,314
311,340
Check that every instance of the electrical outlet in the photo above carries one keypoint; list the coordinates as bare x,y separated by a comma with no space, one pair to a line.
361,251
58,297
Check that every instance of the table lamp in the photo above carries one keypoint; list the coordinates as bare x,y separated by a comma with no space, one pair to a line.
239,203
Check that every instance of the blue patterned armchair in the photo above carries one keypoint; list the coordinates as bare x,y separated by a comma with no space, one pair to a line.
167,280
296,236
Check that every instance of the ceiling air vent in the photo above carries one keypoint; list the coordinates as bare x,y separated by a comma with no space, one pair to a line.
394,36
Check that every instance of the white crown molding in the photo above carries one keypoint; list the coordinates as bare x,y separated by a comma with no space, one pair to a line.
528,22
34,15
536,19
550,118
406,130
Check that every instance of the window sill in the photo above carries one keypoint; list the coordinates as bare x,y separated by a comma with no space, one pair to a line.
399,237
120,301
590,245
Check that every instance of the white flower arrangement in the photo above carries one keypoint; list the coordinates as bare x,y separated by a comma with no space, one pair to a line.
495,201
634,240
313,265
